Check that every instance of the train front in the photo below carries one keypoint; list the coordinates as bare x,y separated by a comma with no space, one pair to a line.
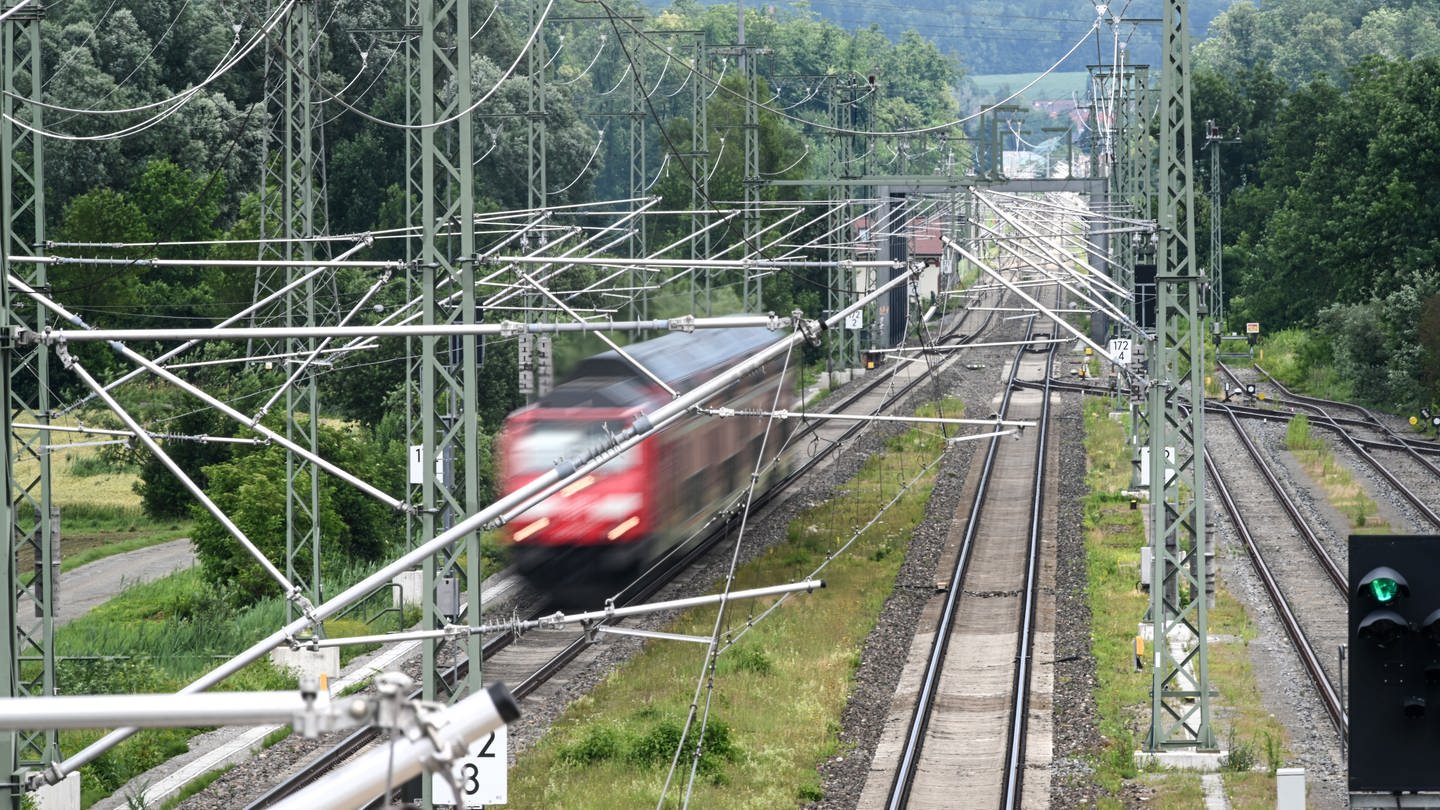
597,529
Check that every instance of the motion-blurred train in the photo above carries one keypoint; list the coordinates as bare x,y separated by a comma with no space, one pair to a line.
608,525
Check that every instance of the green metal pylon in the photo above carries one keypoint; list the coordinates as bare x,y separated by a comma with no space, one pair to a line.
445,426
28,658
1180,684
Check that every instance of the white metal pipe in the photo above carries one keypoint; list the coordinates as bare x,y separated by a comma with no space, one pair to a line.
394,763
277,438
286,586
14,8
719,264
558,620
506,328
244,263
636,364
244,313
310,357
959,346
92,431
1055,254
1061,322
1035,264
153,710
865,417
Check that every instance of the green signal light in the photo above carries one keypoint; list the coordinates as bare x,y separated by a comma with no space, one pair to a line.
1383,586
1384,590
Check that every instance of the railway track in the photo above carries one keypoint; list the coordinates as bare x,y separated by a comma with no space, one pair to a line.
1300,576
529,663
1383,471
1309,603
967,733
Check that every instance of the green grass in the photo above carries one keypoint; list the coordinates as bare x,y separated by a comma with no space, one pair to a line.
1342,491
1114,535
1298,360
100,513
779,691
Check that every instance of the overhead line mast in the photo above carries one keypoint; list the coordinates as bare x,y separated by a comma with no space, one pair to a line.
27,659
1180,679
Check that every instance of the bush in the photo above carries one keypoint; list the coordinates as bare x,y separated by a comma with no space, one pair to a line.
650,748
252,490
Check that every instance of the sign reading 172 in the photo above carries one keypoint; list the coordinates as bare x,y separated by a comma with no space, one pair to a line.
481,776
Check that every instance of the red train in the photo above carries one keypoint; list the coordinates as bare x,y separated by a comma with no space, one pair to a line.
606,526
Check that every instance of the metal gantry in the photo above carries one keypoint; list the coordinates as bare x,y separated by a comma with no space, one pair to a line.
28,658
1180,680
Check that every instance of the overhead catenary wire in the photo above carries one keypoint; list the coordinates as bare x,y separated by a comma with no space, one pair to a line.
173,104
643,36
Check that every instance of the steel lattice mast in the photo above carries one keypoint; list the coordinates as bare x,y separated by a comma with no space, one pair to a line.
1180,684
293,211
443,420
700,168
28,657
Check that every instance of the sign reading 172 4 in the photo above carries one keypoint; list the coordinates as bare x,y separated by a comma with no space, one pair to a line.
481,776
1119,350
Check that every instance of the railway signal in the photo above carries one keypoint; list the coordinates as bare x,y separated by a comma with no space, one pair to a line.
1394,663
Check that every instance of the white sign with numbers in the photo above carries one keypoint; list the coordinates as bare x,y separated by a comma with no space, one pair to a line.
855,320
1119,349
417,466
481,776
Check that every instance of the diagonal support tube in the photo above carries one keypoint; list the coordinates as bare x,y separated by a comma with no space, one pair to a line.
291,592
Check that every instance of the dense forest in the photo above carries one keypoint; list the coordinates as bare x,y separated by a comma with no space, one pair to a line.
1009,36
1332,226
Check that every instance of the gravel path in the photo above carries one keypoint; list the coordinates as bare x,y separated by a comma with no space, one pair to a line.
92,585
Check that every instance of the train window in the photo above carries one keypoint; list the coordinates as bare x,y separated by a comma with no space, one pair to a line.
545,443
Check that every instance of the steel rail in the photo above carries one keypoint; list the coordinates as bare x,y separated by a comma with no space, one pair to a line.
1308,658
1253,412
1020,708
1332,570
1367,417
1405,492
903,781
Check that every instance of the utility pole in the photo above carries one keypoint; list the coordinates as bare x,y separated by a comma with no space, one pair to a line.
750,177
639,174
700,168
27,659
1180,679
